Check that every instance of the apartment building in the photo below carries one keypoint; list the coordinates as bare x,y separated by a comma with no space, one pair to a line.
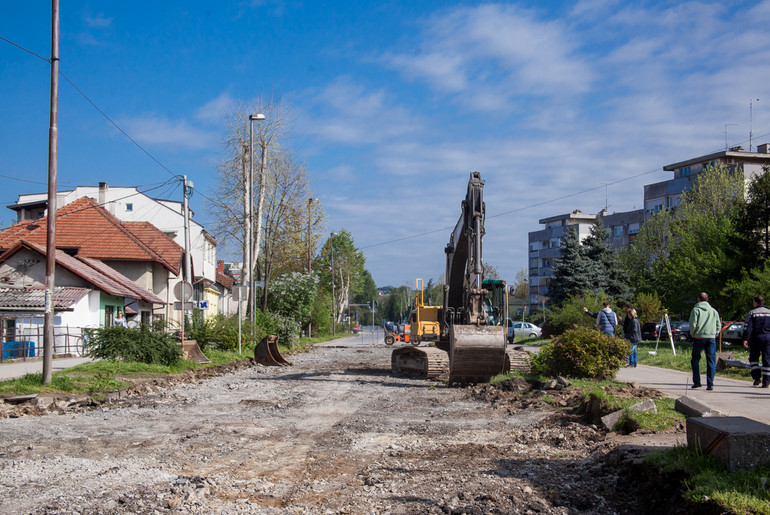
545,243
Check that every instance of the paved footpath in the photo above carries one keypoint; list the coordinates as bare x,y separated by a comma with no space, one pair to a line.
732,397
16,369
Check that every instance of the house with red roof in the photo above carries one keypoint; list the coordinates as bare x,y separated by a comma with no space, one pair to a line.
88,294
147,259
130,205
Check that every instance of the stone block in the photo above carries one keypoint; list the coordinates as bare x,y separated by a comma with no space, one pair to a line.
611,419
692,408
738,442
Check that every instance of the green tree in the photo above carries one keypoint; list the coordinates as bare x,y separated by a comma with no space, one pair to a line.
340,265
686,250
572,273
293,296
605,272
753,223
521,286
648,307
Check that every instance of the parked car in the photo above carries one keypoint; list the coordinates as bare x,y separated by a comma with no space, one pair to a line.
522,330
680,331
733,333
650,331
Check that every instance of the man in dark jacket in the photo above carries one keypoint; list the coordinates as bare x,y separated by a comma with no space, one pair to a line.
756,338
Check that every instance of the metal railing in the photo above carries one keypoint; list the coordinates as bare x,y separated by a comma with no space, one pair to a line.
27,342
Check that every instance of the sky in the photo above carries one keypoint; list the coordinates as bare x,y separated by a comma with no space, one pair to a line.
559,105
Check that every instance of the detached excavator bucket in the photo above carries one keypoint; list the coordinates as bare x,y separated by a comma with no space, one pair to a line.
194,353
266,353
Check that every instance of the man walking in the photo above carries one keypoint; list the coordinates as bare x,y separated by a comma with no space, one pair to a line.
756,338
704,327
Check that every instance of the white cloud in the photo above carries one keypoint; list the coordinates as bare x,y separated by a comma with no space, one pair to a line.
98,21
350,114
173,135
215,109
496,51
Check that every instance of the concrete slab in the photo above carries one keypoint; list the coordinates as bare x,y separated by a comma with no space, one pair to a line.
738,442
692,408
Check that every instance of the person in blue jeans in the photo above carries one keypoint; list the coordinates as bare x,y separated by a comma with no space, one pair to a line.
632,332
704,327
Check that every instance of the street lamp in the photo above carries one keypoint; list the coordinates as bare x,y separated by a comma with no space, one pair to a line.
250,216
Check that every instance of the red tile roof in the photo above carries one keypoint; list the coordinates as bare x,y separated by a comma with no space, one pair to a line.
98,234
100,275
225,280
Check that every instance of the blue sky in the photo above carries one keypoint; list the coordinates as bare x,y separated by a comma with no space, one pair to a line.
559,105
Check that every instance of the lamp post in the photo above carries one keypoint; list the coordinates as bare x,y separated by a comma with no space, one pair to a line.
250,215
309,250
334,300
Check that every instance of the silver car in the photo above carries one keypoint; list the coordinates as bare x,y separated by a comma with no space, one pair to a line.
522,330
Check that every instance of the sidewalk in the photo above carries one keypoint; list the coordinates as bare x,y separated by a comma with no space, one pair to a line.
733,397
20,368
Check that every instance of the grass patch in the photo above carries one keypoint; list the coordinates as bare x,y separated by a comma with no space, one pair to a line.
108,375
739,492
665,358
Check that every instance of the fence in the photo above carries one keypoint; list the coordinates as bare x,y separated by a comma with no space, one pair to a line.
25,341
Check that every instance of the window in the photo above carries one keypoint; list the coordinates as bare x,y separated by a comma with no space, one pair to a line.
545,244
10,330
633,228
109,314
546,263
533,246
129,206
685,171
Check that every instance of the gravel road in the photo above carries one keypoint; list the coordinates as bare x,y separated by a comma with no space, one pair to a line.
335,433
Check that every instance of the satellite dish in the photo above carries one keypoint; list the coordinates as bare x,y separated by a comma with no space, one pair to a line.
183,291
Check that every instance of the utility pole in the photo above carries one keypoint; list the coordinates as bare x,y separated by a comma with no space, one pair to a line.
334,300
53,153
187,261
751,121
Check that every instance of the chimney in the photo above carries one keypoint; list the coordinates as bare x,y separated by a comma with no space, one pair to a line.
221,266
103,187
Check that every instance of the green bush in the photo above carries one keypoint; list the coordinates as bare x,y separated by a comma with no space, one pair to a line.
571,315
582,352
139,345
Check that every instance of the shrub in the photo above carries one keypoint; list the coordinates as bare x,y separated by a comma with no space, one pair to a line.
571,315
139,345
582,352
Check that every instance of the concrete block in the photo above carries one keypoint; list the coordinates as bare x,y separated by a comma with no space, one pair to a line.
692,408
611,419
738,442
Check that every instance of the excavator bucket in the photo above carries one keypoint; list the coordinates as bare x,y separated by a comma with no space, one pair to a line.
193,353
266,353
477,353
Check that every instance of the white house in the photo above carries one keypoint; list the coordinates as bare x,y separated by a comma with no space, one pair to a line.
127,203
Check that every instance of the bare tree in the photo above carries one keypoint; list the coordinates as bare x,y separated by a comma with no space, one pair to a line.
292,224
229,206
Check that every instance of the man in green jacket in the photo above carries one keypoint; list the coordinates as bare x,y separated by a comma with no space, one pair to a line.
704,327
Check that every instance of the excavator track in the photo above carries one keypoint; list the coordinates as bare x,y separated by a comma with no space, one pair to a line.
425,362
517,359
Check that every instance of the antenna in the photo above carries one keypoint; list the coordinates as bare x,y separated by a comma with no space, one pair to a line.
726,126
751,120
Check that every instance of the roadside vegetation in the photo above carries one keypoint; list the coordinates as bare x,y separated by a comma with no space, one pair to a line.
741,493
